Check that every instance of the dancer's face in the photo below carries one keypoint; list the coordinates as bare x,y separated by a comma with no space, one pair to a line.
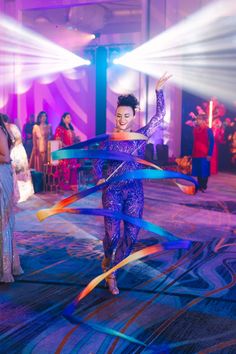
124,118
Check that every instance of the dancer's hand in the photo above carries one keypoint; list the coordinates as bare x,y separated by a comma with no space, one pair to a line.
161,82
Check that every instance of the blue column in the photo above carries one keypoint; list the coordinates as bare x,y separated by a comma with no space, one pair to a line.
101,89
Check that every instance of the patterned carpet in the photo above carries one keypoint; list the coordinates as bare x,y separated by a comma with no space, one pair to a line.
184,300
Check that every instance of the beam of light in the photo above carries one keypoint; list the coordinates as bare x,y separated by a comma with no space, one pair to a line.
117,61
210,113
3,99
200,52
26,55
122,80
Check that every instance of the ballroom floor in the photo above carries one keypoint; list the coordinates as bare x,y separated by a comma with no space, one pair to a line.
177,301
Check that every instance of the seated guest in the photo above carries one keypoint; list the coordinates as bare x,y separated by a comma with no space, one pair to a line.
9,259
23,184
68,168
42,132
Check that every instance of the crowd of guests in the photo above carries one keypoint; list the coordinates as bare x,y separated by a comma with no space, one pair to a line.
30,151
18,154
36,138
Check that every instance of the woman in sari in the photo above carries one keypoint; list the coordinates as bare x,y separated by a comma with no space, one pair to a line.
42,132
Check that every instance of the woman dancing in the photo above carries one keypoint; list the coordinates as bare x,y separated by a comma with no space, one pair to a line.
126,196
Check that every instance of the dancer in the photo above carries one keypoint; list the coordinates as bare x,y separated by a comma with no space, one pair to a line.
203,143
9,259
23,187
68,168
126,196
42,132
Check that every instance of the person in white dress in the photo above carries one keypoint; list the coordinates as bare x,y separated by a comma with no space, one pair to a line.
23,186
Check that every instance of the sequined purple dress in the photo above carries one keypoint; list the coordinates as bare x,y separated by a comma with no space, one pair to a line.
126,196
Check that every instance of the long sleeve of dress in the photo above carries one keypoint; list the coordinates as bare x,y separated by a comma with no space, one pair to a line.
157,119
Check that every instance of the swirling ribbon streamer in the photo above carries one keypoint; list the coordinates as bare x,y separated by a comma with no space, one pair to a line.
75,152
69,310
110,137
117,137
91,154
155,349
108,155
120,216
130,175
103,329
184,244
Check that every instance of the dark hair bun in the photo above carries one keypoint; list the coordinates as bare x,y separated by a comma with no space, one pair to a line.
128,100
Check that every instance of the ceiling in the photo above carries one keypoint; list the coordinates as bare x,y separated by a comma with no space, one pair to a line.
102,18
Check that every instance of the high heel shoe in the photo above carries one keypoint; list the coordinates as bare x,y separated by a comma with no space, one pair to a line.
112,284
111,279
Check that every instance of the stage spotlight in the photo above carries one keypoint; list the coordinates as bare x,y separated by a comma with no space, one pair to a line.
200,52
26,55
87,62
95,36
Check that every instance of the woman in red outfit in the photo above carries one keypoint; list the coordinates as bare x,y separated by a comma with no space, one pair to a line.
203,143
68,168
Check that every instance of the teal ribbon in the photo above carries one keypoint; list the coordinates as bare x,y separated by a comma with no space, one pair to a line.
91,154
